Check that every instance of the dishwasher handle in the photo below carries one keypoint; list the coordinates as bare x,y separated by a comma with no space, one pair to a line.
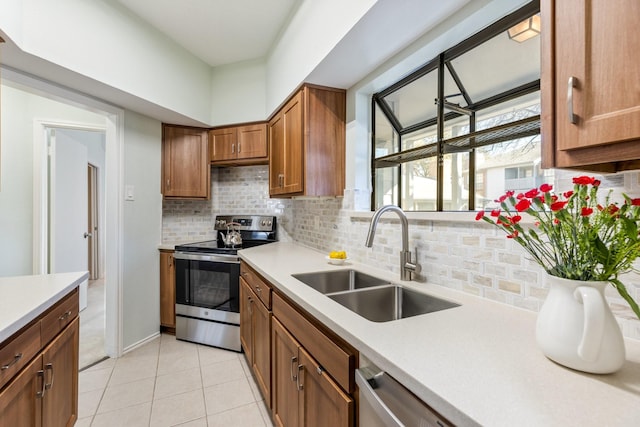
392,405
381,410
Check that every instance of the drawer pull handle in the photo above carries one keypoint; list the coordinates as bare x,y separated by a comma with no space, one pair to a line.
65,315
40,394
15,360
294,359
258,289
49,367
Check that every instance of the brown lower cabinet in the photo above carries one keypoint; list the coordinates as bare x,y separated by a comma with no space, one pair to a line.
309,377
167,292
45,392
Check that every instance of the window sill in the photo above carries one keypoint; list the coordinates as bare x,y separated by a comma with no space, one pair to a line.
452,216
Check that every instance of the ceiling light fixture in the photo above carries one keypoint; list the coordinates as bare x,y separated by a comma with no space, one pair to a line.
526,29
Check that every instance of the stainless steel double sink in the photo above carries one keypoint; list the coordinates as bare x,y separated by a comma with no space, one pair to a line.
373,298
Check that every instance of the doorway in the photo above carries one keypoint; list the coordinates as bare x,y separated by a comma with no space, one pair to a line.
76,160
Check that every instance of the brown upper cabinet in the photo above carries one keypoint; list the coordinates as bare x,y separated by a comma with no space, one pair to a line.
590,86
185,163
307,144
239,145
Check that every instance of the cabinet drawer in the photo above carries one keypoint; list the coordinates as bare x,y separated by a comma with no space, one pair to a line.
334,359
59,316
15,354
257,284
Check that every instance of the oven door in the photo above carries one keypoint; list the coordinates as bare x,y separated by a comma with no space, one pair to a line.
208,281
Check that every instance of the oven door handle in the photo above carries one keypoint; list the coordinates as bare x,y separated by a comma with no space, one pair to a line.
229,259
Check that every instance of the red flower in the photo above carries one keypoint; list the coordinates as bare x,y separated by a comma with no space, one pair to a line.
557,206
554,198
516,219
584,180
537,223
612,209
556,221
586,211
495,212
500,199
568,194
523,205
520,196
545,188
479,215
599,206
531,193
596,183
635,202
510,193
512,235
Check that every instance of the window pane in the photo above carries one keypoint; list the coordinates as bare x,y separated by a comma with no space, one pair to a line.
386,189
512,165
419,185
414,102
385,134
419,138
456,182
497,65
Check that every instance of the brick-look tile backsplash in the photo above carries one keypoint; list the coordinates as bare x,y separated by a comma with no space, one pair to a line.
474,257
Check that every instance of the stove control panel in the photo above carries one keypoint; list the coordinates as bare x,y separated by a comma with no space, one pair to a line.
245,222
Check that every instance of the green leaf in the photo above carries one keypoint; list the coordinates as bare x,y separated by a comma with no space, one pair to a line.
622,290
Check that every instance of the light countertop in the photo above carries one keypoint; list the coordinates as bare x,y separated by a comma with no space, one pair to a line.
26,297
477,364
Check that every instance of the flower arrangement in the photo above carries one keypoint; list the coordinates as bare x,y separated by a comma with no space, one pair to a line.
574,237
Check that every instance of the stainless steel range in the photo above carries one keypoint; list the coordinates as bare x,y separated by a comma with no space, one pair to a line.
208,280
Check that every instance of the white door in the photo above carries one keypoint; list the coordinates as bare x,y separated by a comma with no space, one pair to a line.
68,208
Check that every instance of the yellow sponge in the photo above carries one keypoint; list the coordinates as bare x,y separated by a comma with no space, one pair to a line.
338,254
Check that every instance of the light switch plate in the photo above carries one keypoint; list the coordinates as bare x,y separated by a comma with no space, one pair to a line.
129,193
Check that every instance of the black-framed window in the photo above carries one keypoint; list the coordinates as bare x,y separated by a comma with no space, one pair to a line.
450,135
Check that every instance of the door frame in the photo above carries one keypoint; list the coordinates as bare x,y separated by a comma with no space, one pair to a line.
114,193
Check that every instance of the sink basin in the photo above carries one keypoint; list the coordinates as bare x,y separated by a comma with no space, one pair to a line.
392,302
327,282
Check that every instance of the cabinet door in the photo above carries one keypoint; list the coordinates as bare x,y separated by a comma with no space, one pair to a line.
276,148
284,371
20,401
167,290
262,348
222,144
322,402
185,163
60,362
245,320
252,142
293,116
596,45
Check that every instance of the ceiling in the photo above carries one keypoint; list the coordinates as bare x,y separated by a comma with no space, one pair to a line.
218,31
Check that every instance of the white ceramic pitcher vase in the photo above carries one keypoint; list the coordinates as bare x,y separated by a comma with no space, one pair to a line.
576,328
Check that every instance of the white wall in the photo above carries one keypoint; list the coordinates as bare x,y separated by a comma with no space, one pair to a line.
313,32
142,229
103,41
19,110
238,93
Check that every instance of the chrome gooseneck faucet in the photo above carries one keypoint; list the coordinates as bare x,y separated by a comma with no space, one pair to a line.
407,266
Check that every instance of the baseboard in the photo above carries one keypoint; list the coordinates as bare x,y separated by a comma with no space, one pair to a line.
141,343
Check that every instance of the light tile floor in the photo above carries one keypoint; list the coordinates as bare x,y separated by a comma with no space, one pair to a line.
168,382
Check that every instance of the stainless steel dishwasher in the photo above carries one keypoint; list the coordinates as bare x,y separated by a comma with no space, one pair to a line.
384,402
